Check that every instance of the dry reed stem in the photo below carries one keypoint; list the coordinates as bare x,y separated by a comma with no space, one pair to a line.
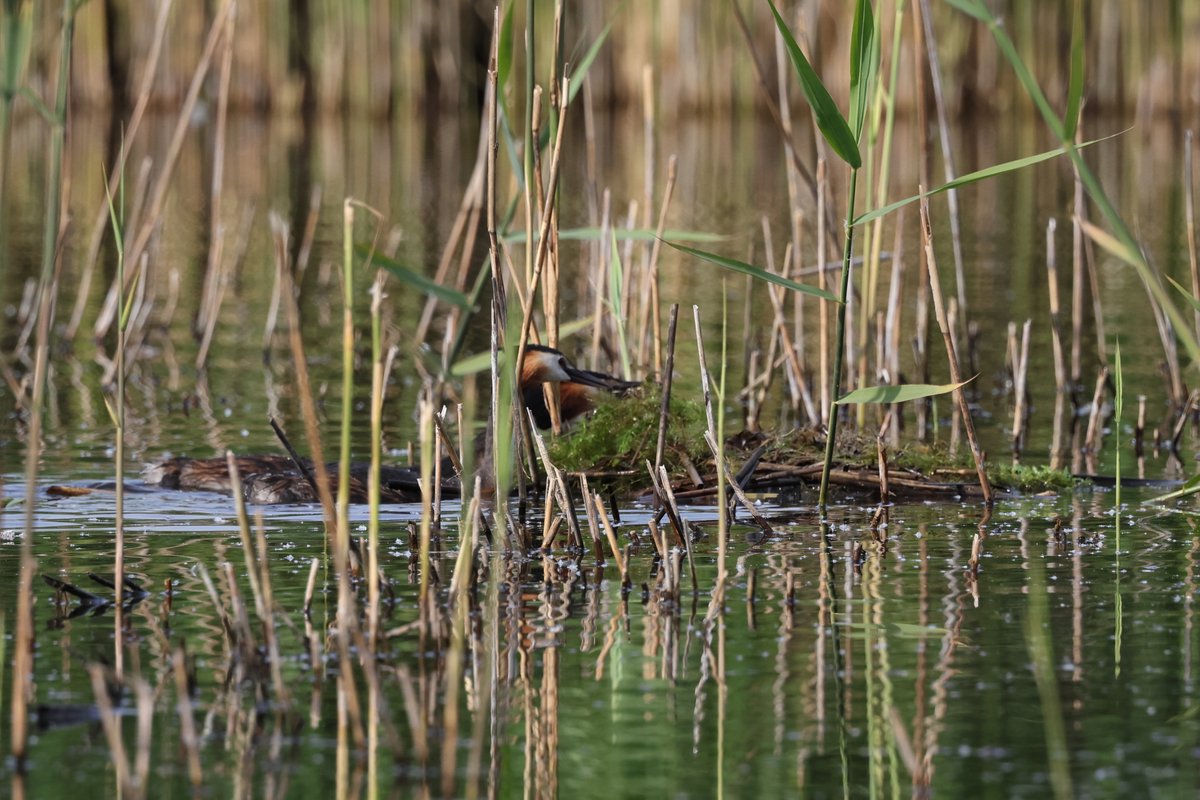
543,234
282,696
100,224
655,248
1060,364
731,479
1078,276
948,167
214,270
602,513
163,183
798,380
112,733
144,698
1020,392
300,364
935,291
187,725
1189,211
666,376
1091,441
311,586
378,387
239,504
665,485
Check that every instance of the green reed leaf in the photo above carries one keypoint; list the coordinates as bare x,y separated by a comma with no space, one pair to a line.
1191,486
622,234
864,60
754,272
504,48
1075,86
413,278
830,121
1193,301
974,177
975,8
897,394
580,69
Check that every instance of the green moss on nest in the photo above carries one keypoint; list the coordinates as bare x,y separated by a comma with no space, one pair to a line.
623,433
1030,480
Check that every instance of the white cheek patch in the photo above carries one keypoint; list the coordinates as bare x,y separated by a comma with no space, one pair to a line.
555,374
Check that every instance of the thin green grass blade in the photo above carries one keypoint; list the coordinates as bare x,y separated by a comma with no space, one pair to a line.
480,362
1112,244
897,394
863,62
504,48
754,272
1191,486
1075,86
622,234
1187,294
580,69
830,121
1120,407
414,278
974,177
974,8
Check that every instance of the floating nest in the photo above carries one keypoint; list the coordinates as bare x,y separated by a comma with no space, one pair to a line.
615,444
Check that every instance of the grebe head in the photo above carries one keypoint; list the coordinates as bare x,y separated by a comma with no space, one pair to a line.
580,388
546,365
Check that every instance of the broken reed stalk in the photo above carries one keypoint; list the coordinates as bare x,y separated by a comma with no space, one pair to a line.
935,291
310,587
602,513
1060,363
1020,392
22,685
425,412
1091,442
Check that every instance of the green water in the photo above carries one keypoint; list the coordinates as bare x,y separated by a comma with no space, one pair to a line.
904,668
891,667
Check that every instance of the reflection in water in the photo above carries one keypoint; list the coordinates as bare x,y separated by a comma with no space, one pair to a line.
890,666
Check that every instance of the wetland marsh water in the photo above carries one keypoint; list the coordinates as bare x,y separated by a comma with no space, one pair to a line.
875,670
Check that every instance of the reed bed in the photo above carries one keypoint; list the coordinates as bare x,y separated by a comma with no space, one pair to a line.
472,655
374,57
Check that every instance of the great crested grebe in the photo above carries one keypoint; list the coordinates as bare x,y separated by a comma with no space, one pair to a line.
269,480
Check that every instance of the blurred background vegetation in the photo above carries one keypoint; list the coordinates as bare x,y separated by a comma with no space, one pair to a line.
391,57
